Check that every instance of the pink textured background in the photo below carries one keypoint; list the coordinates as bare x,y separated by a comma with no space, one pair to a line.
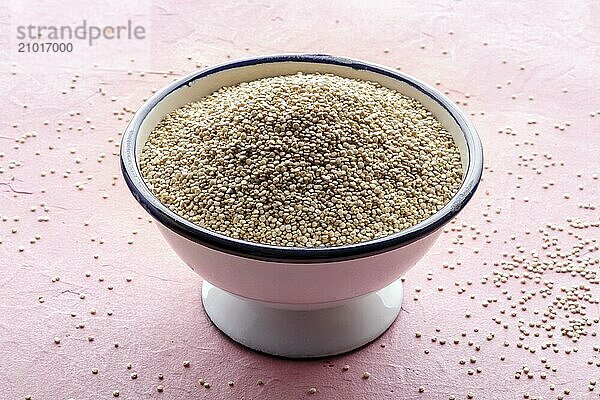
548,51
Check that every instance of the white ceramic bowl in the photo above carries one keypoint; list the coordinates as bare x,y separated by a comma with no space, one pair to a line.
293,278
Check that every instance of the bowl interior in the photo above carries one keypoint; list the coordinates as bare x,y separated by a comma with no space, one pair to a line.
205,82
203,86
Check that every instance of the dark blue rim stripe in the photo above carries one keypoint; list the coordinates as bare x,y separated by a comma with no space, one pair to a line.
242,248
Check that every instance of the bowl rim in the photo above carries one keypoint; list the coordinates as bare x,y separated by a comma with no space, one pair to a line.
304,255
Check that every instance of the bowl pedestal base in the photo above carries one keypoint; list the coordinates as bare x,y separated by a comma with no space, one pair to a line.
303,331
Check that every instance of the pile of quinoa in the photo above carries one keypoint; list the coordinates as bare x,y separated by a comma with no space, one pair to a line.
303,160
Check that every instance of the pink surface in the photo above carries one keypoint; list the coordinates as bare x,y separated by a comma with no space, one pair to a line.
528,74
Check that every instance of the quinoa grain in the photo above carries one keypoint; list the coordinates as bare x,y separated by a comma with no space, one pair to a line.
304,160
